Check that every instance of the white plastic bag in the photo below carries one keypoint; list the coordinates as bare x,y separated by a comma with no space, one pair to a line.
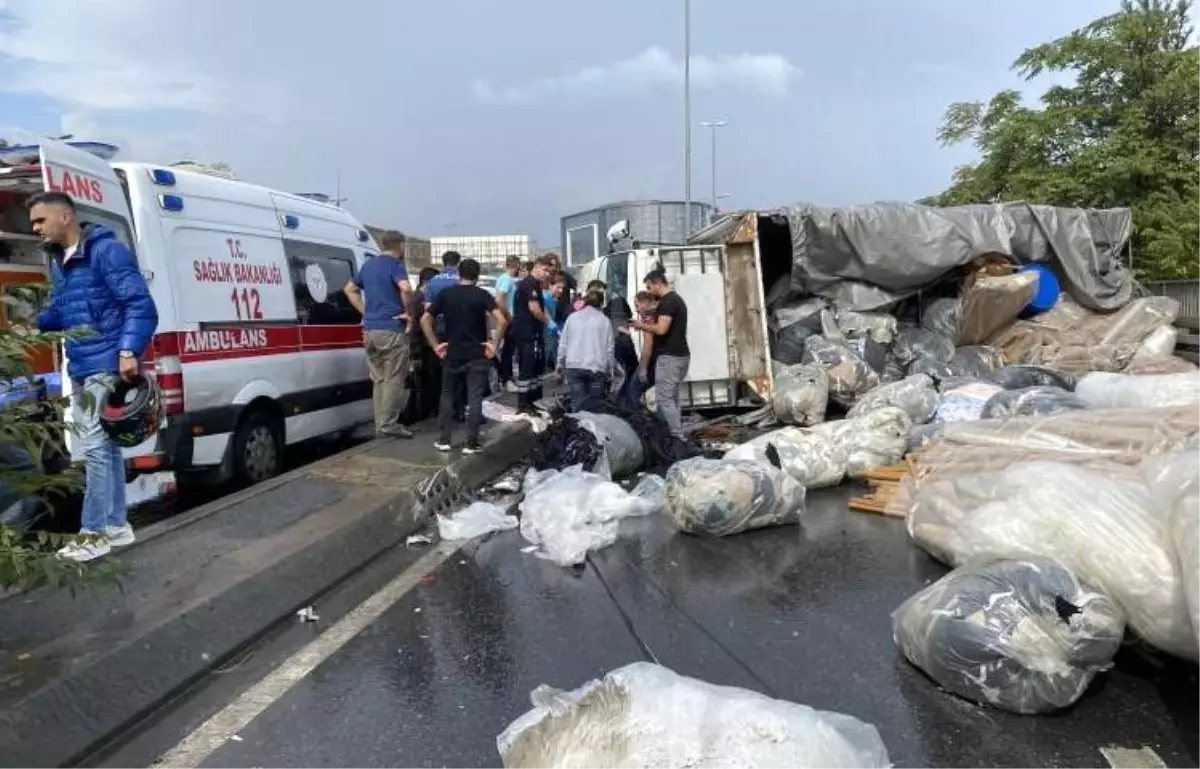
475,520
915,395
1159,343
650,488
1174,481
1104,529
623,452
1101,390
571,512
644,715
1023,635
719,497
812,459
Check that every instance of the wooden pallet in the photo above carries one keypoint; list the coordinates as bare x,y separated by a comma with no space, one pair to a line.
883,483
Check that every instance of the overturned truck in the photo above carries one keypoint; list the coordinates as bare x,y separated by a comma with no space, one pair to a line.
738,272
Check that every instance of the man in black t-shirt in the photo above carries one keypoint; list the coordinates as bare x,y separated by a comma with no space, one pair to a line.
529,332
669,329
467,351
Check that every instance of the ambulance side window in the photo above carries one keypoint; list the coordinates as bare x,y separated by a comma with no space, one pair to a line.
120,227
319,274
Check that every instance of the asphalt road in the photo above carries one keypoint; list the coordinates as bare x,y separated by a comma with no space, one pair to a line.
429,652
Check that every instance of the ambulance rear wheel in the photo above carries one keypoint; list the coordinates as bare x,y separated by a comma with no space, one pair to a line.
258,448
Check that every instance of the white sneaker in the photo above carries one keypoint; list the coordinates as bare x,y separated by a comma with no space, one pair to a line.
119,536
81,552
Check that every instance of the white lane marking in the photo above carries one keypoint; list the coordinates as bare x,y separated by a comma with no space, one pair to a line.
1132,758
235,716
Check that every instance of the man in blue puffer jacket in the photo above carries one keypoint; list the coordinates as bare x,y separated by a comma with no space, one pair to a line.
97,289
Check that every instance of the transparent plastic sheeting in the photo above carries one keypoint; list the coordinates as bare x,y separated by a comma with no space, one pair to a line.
875,439
645,715
475,520
1174,481
569,513
1105,529
1108,391
1112,441
1071,338
720,497
1024,636
1019,376
848,375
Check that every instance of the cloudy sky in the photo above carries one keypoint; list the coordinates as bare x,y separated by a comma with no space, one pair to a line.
485,117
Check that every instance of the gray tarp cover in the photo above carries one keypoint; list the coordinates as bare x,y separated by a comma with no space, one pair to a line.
866,257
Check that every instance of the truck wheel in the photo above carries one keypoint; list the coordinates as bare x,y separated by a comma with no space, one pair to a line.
257,448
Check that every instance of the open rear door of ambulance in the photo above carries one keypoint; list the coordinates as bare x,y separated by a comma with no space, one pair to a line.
82,171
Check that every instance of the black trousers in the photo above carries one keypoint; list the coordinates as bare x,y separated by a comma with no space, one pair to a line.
531,365
471,376
504,361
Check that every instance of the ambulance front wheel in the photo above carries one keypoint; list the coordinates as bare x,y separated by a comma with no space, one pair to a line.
258,448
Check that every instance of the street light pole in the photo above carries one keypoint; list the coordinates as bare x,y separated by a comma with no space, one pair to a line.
713,125
687,117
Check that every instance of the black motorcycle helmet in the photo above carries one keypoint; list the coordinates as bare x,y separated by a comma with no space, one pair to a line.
130,412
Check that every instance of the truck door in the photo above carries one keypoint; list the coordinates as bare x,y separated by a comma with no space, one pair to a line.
697,274
100,199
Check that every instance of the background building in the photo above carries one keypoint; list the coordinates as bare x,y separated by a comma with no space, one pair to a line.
650,221
489,250
417,251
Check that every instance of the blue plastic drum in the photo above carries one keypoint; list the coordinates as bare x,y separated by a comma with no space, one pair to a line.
1045,294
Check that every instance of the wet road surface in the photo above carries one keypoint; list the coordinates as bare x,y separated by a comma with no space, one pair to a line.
447,658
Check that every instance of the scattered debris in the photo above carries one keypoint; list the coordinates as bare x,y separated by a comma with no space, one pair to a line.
418,539
307,614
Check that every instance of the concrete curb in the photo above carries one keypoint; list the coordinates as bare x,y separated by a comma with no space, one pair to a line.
116,685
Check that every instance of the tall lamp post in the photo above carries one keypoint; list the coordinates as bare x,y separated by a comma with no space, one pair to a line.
713,125
687,117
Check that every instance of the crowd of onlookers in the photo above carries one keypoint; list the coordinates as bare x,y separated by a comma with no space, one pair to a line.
440,347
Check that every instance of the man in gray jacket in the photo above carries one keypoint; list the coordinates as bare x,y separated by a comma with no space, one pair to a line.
585,351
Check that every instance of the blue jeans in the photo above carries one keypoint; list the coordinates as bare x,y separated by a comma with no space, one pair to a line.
103,464
584,386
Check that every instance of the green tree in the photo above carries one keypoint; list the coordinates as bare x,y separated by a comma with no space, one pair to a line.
28,560
1126,133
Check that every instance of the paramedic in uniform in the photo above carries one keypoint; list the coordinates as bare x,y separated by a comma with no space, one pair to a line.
95,286
528,330
670,345
381,292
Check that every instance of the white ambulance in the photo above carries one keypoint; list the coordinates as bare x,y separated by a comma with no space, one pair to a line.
257,345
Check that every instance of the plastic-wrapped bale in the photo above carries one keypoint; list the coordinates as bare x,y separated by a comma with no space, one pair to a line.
719,497
1102,390
1021,635
812,459
1104,529
913,342
800,395
873,353
1159,343
788,347
977,361
645,715
875,439
915,395
571,512
992,303
623,453
1019,376
877,326
848,375
1030,401
1174,481
965,401
942,316
934,369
